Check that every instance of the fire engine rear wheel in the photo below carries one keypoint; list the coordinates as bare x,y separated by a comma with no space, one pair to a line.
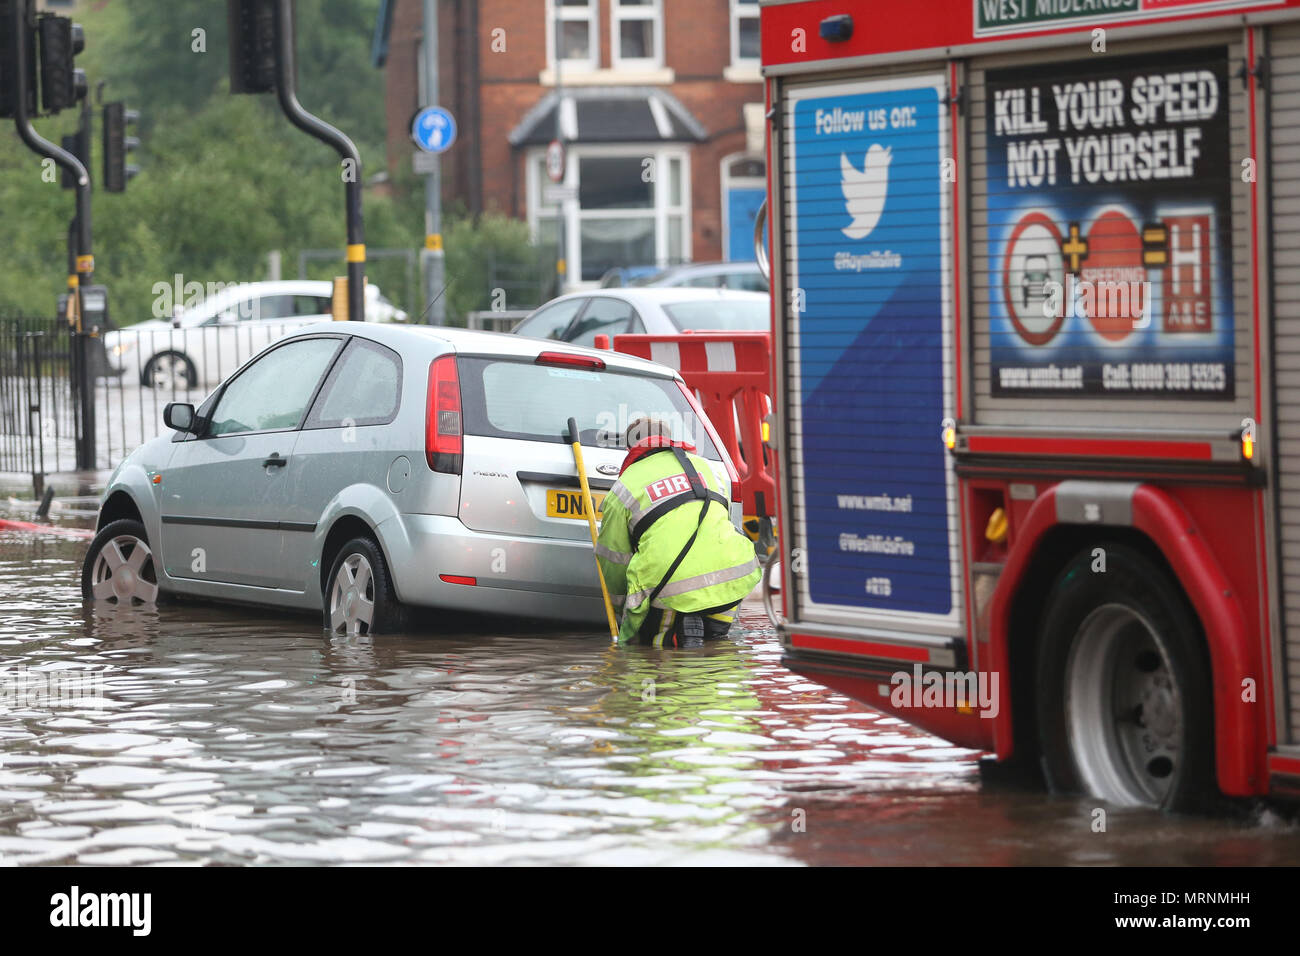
1125,712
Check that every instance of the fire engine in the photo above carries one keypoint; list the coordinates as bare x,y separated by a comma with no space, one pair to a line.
1036,377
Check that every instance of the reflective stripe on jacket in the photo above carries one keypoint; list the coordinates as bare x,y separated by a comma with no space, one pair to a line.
647,518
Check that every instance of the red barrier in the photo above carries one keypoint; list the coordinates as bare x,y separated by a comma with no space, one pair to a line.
8,525
731,372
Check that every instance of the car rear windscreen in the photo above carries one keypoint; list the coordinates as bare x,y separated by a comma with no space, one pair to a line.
720,314
522,400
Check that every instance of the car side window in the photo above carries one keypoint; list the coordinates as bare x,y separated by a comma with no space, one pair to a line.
272,393
267,307
363,388
550,322
747,281
305,305
604,316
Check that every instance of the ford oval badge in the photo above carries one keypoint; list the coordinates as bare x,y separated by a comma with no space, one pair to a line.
607,469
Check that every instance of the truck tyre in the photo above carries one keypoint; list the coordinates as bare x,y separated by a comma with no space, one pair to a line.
1125,709
120,567
358,593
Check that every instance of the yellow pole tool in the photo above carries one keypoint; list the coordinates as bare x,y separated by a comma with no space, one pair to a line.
590,508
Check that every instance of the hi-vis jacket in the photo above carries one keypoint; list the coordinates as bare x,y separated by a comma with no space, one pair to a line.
646,520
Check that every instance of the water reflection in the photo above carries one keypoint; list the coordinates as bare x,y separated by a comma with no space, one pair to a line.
222,735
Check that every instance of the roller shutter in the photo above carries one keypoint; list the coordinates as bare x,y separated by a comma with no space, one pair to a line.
865,225
1284,168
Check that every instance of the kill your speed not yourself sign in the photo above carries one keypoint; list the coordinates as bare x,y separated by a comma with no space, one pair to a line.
1109,228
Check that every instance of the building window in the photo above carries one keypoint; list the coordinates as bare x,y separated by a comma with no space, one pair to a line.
636,33
573,23
744,33
632,208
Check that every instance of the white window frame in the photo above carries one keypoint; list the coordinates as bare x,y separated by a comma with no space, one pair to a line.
591,14
618,14
661,153
743,68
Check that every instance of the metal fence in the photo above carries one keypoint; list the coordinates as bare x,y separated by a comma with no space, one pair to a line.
134,373
38,416
145,368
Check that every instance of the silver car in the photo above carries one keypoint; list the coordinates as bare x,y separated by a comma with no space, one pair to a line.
360,469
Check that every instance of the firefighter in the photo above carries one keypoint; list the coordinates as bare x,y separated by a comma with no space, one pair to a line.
674,564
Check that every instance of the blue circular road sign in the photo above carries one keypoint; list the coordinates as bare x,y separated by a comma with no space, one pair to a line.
433,129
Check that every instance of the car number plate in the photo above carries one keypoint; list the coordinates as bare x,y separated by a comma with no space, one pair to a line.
567,503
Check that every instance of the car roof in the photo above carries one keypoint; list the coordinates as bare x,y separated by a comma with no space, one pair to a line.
237,291
661,295
713,267
489,344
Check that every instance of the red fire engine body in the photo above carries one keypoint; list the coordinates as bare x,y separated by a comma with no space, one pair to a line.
1036,325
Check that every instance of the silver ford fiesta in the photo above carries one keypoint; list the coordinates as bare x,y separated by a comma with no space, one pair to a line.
359,469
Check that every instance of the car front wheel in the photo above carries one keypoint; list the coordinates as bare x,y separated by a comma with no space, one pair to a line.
119,567
170,371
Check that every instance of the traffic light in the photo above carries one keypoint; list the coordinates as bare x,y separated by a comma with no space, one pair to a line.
62,83
253,55
78,144
9,59
117,146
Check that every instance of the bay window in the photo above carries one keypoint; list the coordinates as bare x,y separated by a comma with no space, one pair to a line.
631,208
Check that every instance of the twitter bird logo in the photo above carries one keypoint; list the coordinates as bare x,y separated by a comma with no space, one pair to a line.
864,192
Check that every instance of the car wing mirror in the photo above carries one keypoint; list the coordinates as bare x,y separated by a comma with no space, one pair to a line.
179,416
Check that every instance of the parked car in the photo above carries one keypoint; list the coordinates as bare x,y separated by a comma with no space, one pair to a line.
743,276
626,275
210,339
580,316
360,469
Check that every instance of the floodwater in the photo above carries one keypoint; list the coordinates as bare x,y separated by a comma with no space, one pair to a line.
194,734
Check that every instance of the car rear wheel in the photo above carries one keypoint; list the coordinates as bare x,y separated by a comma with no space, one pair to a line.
169,371
119,567
358,593
1125,710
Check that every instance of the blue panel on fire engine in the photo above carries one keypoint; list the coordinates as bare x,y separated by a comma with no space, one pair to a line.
871,269
1110,228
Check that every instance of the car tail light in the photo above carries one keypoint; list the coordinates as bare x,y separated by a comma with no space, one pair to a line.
570,358
443,447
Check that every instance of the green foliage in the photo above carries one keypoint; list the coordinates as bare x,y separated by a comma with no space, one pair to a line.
494,253
226,179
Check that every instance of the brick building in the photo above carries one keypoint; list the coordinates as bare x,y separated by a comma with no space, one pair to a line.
659,103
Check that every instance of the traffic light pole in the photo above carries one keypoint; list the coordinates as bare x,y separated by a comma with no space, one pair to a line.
286,90
84,263
434,260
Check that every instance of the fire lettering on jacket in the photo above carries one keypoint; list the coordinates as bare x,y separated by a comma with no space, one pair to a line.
667,487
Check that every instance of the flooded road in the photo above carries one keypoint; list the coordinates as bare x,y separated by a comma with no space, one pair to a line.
200,734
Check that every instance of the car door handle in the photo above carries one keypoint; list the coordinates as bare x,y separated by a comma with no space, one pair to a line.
275,461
